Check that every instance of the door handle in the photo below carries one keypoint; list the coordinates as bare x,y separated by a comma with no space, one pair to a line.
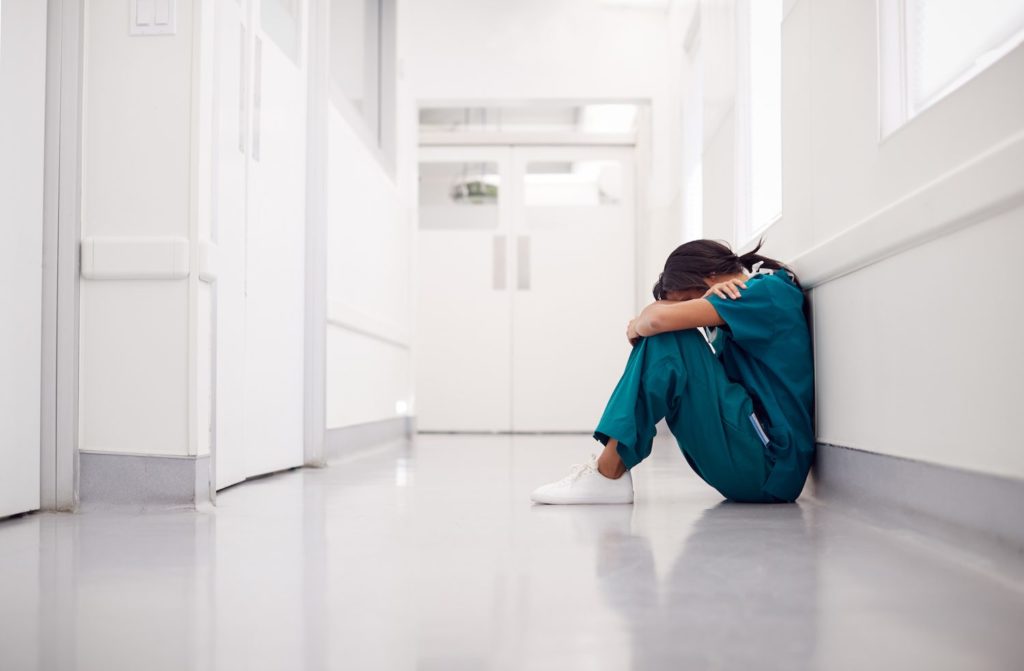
498,265
523,263
257,98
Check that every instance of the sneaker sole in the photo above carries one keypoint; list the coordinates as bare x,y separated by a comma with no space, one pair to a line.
581,501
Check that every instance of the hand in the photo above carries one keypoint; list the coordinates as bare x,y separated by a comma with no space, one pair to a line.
726,289
631,335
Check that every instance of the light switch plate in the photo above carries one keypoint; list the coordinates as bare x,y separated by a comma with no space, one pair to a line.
153,17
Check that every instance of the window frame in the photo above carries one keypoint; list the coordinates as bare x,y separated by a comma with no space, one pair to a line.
295,12
896,106
746,230
379,133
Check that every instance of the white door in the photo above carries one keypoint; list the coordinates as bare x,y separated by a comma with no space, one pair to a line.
230,160
259,225
574,293
276,244
463,365
524,289
22,100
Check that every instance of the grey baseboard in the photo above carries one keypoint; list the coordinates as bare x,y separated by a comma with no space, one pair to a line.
985,503
145,482
347,440
142,482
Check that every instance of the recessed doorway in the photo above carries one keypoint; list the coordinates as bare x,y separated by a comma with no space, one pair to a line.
525,283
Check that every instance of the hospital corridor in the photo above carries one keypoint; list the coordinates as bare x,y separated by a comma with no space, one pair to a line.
458,335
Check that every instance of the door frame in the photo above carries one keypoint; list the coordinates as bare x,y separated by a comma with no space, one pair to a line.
62,172
317,137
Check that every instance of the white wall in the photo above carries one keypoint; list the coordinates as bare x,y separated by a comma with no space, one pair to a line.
368,284
370,214
854,173
916,354
901,237
134,382
533,49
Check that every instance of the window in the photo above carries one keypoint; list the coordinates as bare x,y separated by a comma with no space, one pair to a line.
362,66
928,48
280,21
692,154
759,118
572,183
459,195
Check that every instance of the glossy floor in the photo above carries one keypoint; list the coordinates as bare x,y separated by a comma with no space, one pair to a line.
431,556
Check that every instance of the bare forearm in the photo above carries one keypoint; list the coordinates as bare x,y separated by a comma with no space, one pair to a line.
648,322
664,316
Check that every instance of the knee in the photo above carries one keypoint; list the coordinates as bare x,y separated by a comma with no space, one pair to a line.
676,339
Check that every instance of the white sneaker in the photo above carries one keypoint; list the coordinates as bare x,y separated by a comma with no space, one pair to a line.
585,484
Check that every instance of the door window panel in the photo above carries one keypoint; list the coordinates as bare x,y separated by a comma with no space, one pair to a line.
459,195
590,183
280,21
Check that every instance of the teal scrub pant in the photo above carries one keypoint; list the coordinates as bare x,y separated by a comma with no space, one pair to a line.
677,377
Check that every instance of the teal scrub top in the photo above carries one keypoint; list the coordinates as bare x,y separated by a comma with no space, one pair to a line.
765,346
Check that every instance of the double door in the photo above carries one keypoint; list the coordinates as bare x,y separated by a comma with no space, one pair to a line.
258,225
525,284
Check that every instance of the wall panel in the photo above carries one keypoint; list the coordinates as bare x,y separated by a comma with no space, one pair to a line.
918,355
368,284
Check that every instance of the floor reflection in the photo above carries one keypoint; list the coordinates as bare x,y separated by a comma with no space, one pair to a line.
432,557
741,592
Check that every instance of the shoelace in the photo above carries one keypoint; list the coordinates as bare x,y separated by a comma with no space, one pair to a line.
576,471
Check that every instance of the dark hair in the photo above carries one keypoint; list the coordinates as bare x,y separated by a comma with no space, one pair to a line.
688,265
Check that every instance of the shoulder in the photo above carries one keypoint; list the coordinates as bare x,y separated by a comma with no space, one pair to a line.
771,304
767,292
772,278
779,290
778,285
